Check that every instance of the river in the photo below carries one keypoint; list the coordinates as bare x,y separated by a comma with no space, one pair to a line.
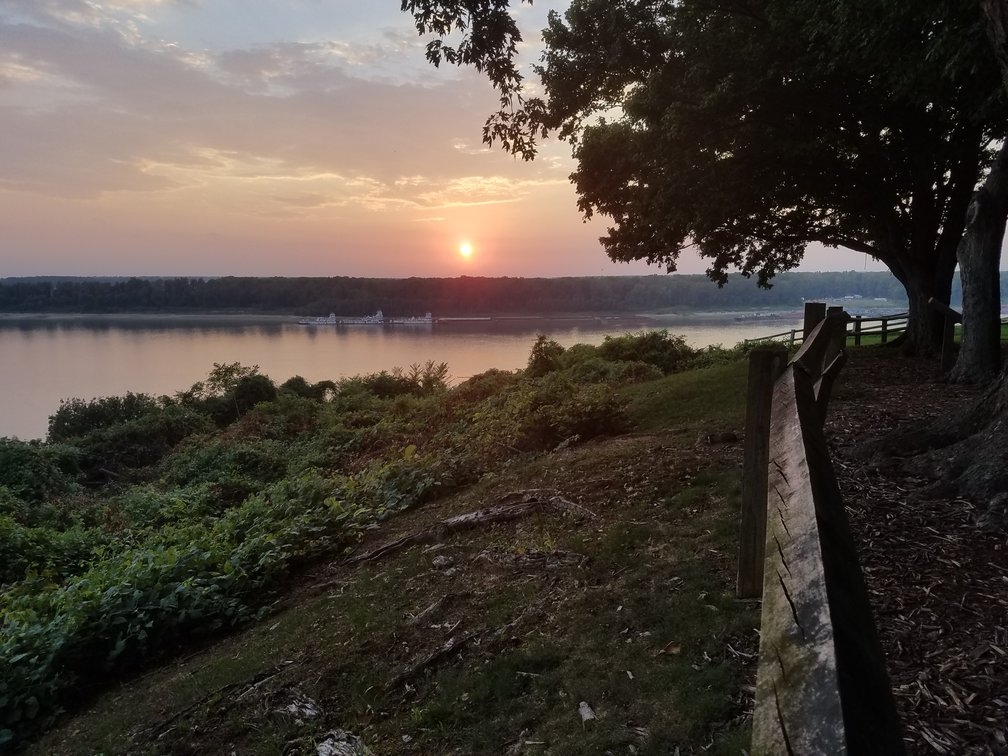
45,358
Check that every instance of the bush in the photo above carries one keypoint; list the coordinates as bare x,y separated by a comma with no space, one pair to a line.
31,471
670,354
220,460
57,553
288,417
544,357
140,442
598,370
538,414
298,386
75,417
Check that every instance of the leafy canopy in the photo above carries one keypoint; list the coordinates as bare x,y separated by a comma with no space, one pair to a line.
749,130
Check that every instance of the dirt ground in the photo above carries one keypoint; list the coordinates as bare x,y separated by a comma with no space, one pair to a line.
938,582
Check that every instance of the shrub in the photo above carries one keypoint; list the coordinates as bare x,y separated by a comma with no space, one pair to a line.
75,417
57,553
32,471
539,414
300,387
287,417
211,459
140,442
598,370
668,353
429,378
544,357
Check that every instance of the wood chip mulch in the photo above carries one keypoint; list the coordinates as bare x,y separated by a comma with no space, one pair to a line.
938,584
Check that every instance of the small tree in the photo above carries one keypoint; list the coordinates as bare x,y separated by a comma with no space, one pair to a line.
545,356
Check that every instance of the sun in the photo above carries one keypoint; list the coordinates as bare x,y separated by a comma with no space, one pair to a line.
465,249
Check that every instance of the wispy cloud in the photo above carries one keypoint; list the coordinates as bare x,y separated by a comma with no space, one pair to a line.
188,116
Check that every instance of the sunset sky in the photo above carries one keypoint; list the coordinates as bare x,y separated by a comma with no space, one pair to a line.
269,137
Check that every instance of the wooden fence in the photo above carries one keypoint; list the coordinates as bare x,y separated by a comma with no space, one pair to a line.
858,328
821,683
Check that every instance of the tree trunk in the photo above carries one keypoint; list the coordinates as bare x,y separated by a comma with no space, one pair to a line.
975,465
979,256
924,324
996,12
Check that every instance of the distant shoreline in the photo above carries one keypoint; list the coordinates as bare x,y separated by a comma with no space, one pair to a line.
623,319
656,314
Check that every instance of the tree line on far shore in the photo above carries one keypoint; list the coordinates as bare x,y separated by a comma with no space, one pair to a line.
442,296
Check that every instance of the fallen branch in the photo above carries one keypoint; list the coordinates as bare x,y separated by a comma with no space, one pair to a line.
448,648
158,731
511,507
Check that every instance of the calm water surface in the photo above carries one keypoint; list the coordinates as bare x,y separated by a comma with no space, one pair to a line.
47,358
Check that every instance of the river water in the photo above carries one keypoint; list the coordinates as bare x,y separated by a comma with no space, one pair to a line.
47,358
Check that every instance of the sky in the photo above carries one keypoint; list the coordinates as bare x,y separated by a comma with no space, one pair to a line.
272,137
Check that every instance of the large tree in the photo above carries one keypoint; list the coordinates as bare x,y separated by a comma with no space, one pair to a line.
979,250
749,129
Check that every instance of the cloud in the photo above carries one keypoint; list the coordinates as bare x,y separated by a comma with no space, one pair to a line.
89,111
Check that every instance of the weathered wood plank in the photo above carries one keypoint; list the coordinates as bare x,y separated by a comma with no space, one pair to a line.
821,681
798,707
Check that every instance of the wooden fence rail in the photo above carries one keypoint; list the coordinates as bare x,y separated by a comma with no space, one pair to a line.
886,328
821,682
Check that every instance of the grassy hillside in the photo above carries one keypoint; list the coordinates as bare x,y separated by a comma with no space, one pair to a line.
435,570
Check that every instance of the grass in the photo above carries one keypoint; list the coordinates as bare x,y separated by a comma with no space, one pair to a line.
625,603
708,398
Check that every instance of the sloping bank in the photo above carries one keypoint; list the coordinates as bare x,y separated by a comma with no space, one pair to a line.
528,561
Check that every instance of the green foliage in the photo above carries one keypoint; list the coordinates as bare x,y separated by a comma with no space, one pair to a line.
136,603
212,459
44,550
429,378
384,385
150,507
668,353
301,387
222,379
75,417
190,523
287,417
538,414
251,390
544,357
141,441
599,370
482,386
419,380
32,472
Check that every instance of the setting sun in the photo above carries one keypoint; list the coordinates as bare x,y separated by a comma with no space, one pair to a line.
465,249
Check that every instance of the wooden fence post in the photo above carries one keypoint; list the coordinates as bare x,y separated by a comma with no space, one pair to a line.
838,310
857,330
885,329
765,365
948,353
814,313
